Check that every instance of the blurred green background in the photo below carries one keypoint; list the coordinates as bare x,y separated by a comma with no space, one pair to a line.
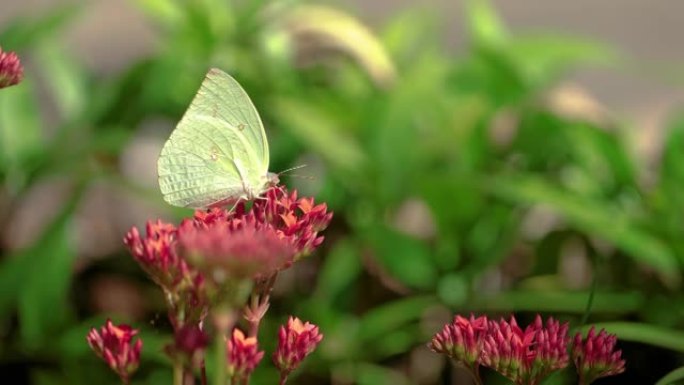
473,164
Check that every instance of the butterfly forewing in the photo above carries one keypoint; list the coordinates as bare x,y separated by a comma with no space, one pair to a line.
218,151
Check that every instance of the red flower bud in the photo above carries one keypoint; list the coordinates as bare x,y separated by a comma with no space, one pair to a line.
461,340
243,356
112,343
11,71
296,340
596,357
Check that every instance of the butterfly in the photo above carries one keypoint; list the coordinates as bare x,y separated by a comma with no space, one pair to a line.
218,152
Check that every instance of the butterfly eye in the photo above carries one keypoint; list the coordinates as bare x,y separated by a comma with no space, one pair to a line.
241,126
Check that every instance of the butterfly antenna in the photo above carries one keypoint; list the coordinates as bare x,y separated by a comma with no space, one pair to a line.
307,177
291,169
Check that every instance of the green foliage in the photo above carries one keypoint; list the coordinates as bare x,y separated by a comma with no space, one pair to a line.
435,164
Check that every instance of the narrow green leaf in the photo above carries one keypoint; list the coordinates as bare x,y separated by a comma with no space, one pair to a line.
65,78
167,13
391,316
20,131
560,301
592,217
372,374
674,377
644,333
319,132
340,268
542,59
404,257
484,25
43,294
22,32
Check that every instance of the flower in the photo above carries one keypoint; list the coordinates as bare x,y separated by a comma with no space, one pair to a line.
525,357
157,255
297,220
296,340
11,71
461,340
596,357
112,343
235,249
243,356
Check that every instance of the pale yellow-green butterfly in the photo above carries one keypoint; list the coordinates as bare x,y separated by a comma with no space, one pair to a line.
218,152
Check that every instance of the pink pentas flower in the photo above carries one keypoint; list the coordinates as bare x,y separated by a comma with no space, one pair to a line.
527,356
243,356
296,340
299,220
236,249
157,255
461,340
114,344
11,70
596,356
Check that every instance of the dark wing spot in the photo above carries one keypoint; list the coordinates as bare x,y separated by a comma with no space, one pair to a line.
241,126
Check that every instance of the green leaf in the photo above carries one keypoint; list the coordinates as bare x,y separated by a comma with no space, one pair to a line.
484,25
383,319
167,13
65,78
372,374
20,132
602,154
542,59
319,132
23,32
644,333
453,289
405,258
674,377
341,267
396,342
42,297
560,301
592,217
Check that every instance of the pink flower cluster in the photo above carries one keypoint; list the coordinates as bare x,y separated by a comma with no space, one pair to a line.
113,344
11,70
526,356
243,356
296,340
206,266
596,357
255,243
461,340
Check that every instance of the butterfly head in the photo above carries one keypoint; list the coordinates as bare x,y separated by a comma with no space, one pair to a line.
272,179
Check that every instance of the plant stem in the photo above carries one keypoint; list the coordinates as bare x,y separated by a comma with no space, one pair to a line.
203,372
178,372
475,372
220,359
224,319
283,379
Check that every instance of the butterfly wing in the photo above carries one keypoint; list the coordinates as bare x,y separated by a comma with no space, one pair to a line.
218,151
